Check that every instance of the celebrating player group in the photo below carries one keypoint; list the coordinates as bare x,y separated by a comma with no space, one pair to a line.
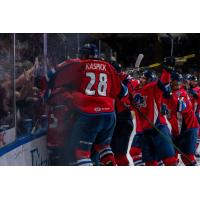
101,115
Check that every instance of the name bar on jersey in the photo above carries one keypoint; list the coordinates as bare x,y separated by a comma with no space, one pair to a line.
95,66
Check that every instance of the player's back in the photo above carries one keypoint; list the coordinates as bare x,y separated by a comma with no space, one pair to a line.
97,87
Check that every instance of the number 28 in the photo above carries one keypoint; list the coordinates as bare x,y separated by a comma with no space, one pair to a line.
102,85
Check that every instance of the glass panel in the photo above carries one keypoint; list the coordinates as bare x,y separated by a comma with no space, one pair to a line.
29,64
7,106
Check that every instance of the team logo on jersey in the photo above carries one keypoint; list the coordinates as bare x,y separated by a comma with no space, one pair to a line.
97,109
178,94
140,100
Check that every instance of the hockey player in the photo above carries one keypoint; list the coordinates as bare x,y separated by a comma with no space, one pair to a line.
131,120
94,84
147,101
61,119
194,93
58,102
136,146
124,124
182,119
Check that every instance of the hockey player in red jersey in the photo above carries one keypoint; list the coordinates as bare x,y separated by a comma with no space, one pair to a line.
124,124
61,119
182,119
94,85
99,87
59,105
136,145
147,101
194,93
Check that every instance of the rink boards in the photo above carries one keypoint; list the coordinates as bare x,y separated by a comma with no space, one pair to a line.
29,150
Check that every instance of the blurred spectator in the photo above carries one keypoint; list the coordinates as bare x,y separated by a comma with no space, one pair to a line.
6,100
27,97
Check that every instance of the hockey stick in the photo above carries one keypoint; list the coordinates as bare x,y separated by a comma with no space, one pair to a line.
164,136
137,64
178,59
138,61
141,68
140,57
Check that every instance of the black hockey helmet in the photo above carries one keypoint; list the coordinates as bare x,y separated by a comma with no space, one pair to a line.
187,76
89,51
150,75
177,77
193,78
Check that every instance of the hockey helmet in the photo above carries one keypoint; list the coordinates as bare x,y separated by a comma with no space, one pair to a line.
187,76
150,75
193,78
177,77
89,51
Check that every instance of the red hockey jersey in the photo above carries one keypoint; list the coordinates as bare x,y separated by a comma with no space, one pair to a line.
148,101
196,100
131,83
132,87
180,112
60,117
95,84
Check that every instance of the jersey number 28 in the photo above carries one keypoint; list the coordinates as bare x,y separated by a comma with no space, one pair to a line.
102,84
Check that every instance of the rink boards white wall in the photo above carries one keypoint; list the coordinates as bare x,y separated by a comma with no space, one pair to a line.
29,150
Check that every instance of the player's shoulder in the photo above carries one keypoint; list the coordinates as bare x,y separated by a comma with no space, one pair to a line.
95,61
151,84
124,76
197,89
68,62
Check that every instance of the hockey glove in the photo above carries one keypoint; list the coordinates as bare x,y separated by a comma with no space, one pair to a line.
167,95
168,64
164,109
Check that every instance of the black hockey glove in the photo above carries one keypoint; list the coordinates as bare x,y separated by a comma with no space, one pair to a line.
116,65
169,63
164,109
167,95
